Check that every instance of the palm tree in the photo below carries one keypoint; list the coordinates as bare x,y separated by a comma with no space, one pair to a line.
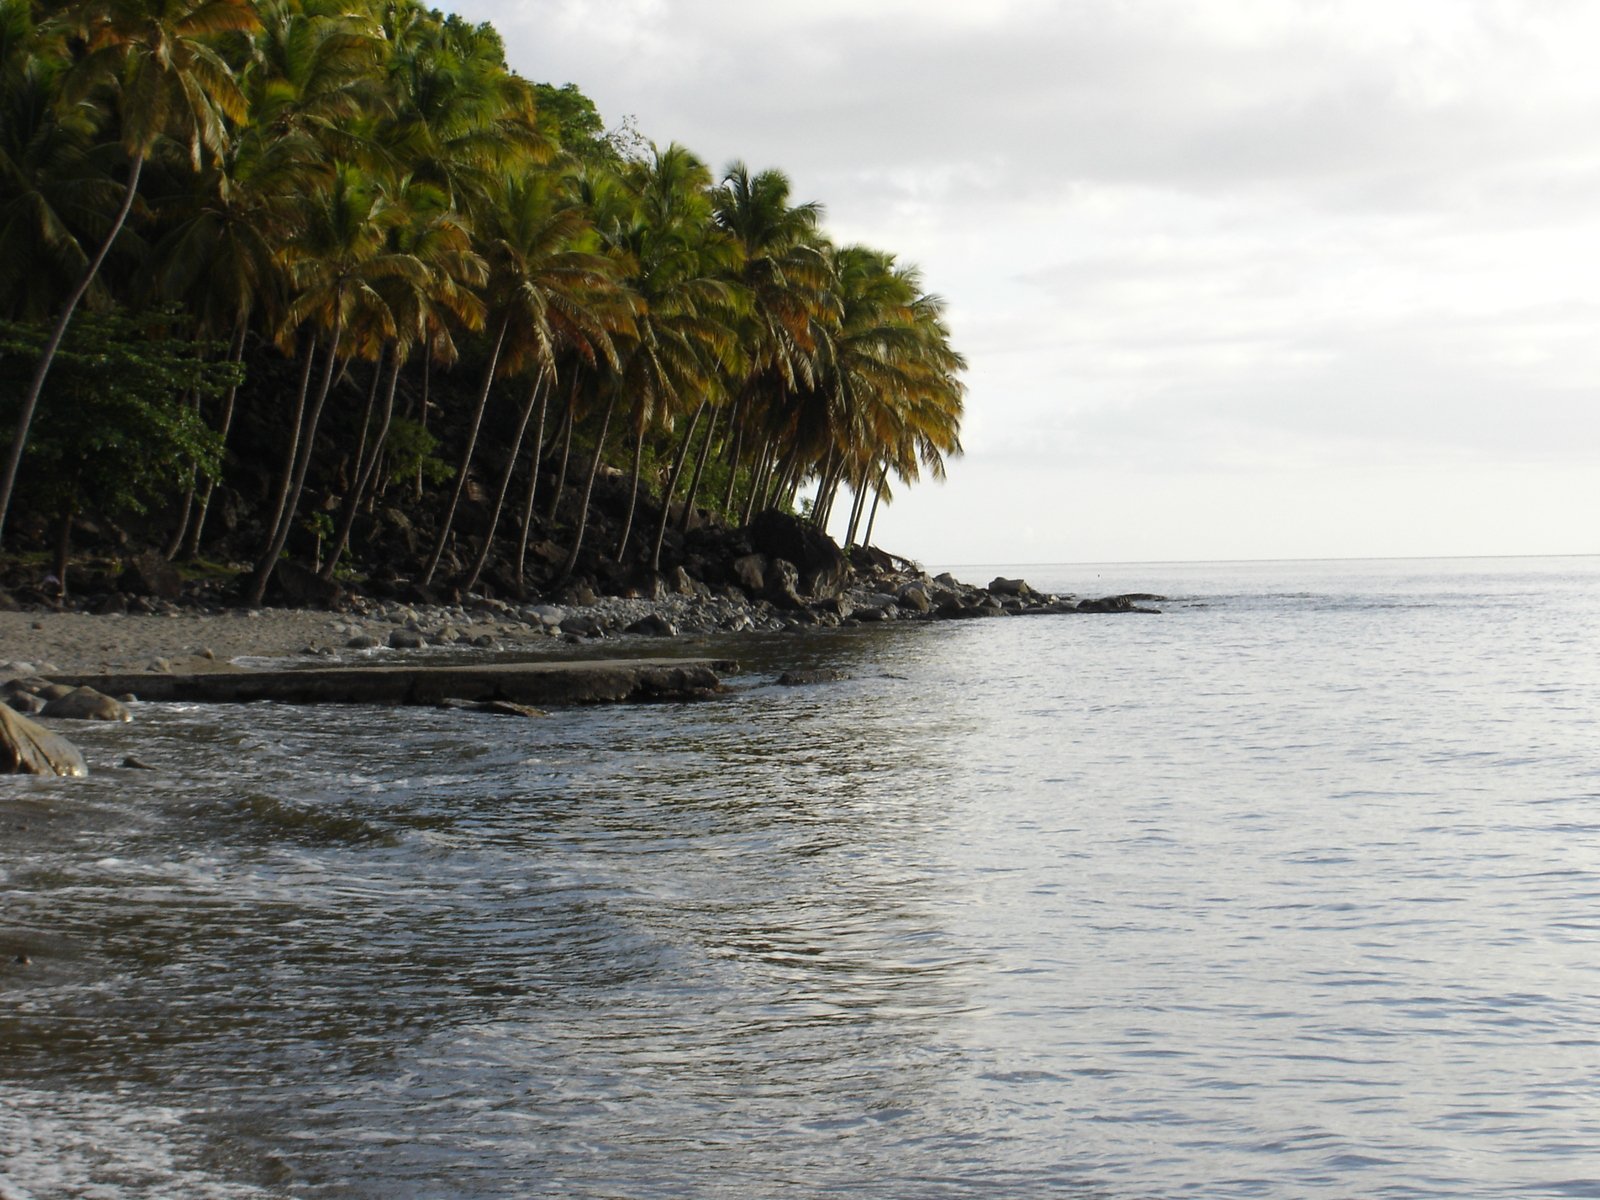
547,288
676,266
424,308
783,266
167,79
336,261
54,194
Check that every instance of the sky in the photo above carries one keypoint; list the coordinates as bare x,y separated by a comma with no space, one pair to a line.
1236,279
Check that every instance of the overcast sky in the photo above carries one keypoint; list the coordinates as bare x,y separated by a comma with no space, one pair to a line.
1236,278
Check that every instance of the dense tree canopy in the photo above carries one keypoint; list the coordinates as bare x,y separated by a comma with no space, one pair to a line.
434,279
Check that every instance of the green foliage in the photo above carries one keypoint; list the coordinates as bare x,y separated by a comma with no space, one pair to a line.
114,433
411,448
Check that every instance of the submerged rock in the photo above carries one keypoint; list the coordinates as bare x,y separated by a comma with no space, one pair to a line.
809,675
27,748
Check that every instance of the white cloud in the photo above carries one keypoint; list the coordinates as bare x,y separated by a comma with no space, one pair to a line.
1198,245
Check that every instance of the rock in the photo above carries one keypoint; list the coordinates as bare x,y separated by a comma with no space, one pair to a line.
915,597
406,639
805,676
136,764
653,625
52,691
29,749
295,587
484,641
750,571
783,583
1000,586
505,708
86,704
547,615
363,641
151,575
25,703
1116,604
683,583
581,625
501,708
822,565
580,595
870,613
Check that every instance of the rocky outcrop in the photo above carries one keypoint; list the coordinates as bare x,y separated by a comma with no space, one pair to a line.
27,748
822,566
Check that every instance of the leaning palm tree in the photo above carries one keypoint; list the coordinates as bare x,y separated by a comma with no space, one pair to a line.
336,261
157,60
425,308
547,286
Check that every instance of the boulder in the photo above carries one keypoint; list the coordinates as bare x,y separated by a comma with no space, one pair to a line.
406,639
86,704
1001,586
295,587
682,583
150,574
783,584
822,565
915,597
750,571
363,641
653,625
29,749
25,703
547,615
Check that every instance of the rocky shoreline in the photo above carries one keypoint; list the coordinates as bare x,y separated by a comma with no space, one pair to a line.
758,593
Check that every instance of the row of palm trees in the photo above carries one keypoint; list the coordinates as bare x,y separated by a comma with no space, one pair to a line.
362,188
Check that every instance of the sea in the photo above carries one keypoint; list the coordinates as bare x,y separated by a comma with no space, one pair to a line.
1290,891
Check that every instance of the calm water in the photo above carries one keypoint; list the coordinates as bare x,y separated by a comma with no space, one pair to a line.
1293,891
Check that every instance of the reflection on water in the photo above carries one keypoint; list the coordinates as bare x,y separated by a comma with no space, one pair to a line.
1260,898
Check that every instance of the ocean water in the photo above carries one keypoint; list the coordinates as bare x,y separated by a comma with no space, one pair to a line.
1292,891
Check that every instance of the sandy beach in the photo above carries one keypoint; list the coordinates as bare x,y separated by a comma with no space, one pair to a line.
195,641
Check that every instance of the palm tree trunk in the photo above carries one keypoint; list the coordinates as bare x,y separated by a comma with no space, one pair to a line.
856,506
366,469
566,451
758,473
633,493
535,459
181,525
877,495
672,486
699,469
30,400
422,403
191,546
505,481
308,440
588,490
294,435
466,457
733,474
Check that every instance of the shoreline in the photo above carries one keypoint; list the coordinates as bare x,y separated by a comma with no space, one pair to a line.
181,640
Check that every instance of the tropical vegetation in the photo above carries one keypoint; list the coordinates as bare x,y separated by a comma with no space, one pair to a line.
327,282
